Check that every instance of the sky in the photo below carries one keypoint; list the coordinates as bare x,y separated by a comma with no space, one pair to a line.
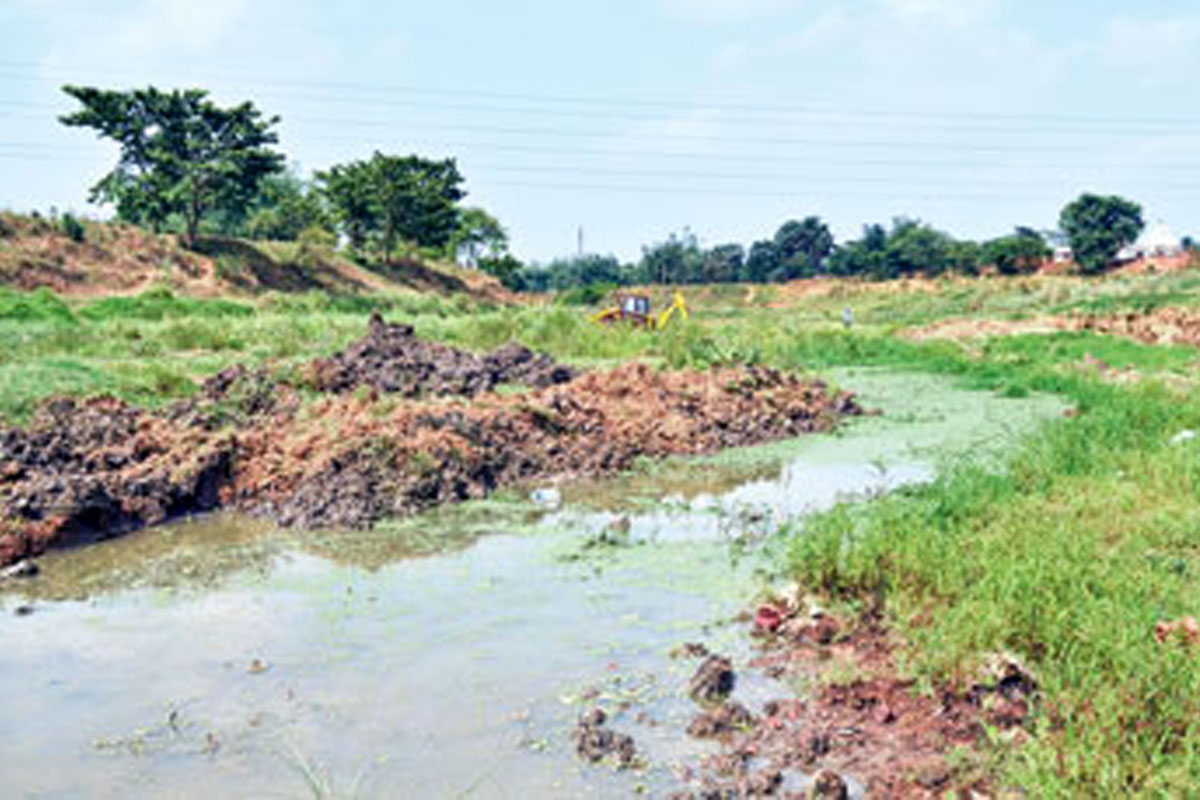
636,119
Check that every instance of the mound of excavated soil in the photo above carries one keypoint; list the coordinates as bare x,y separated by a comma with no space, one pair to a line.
391,359
1164,326
346,464
1179,326
87,470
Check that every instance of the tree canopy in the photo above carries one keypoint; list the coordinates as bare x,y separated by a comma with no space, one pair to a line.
802,247
1097,227
180,153
395,198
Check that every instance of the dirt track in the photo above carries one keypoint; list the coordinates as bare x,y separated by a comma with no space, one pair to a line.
400,424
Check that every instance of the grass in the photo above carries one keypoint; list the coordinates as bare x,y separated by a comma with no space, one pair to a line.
1068,558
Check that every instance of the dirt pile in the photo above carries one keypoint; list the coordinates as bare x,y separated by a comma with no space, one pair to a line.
349,465
392,359
1178,326
87,470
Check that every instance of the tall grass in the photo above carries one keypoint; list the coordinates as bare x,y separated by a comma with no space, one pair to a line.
1068,559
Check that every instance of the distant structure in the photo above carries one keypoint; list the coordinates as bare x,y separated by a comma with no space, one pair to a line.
1057,241
1157,241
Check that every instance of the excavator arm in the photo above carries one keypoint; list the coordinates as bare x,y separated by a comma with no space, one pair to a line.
677,307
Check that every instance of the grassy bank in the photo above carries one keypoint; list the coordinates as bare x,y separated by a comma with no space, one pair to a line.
1067,560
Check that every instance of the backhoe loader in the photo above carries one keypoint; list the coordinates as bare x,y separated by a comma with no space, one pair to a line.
636,310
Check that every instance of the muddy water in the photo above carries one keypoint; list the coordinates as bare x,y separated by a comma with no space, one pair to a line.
444,657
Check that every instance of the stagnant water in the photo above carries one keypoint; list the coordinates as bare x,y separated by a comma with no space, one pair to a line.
447,656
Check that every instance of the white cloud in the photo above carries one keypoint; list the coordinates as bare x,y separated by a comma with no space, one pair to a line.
708,11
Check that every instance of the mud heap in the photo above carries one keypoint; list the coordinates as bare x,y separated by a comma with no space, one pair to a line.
348,465
391,359
428,432
87,470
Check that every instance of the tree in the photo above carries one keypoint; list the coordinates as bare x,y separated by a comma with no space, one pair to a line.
803,247
762,262
180,153
677,260
394,198
478,236
567,273
914,247
416,200
722,264
349,192
1098,227
1022,251
504,267
285,207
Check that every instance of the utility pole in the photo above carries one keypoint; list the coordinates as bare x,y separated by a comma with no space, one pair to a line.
580,241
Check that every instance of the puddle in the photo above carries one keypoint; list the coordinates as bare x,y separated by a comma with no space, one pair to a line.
445,656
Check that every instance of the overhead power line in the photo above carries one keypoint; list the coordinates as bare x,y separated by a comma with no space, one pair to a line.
343,91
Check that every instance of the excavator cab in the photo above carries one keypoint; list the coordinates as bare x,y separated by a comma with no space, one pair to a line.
636,305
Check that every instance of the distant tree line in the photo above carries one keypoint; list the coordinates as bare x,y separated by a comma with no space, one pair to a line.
1096,227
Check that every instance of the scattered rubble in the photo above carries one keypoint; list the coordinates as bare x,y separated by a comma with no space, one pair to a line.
713,681
862,727
595,741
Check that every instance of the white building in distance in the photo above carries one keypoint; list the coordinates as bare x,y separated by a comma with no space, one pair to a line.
1156,241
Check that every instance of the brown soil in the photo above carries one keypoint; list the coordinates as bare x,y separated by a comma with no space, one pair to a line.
1179,326
122,259
377,441
983,328
1165,326
391,359
862,720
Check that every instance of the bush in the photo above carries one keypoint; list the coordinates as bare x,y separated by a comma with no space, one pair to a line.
589,295
72,228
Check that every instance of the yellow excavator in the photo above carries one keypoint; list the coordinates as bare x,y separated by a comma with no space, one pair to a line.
635,309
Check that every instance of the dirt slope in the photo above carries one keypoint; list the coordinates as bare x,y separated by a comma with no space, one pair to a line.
122,259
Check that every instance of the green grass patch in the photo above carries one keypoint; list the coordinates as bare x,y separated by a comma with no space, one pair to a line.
159,304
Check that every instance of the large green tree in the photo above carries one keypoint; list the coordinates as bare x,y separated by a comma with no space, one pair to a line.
1097,227
762,261
677,260
180,153
803,247
396,198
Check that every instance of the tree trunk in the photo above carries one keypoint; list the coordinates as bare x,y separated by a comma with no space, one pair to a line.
193,222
